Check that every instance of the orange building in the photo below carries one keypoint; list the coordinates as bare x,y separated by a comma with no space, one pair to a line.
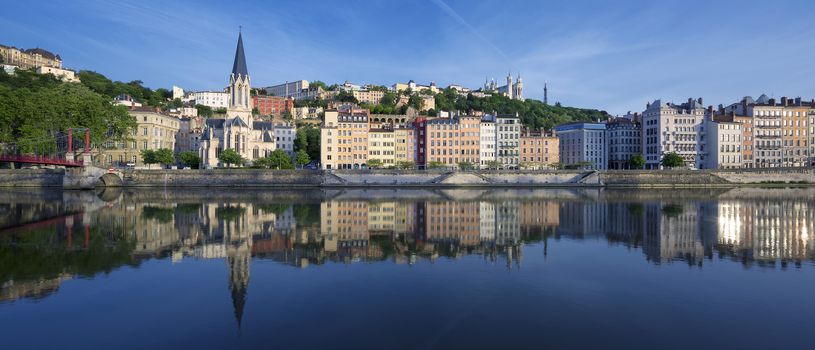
454,222
794,133
451,141
538,150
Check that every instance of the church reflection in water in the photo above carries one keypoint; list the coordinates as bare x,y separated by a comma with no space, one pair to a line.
60,239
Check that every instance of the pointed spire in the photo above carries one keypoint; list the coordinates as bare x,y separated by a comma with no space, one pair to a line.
239,67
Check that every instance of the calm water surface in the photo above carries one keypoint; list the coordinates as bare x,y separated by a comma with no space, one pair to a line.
412,269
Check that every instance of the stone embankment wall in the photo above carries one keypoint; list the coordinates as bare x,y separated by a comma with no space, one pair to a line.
222,178
31,177
88,177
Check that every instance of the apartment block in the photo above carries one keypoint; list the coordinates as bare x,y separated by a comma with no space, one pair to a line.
344,139
451,141
583,145
539,150
669,127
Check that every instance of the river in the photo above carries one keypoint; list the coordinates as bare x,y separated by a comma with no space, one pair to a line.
724,268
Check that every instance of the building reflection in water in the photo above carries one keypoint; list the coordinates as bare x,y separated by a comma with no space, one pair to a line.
763,231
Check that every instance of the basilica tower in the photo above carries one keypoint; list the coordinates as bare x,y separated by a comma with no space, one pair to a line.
519,88
510,87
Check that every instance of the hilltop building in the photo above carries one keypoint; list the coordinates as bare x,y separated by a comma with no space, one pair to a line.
29,58
512,90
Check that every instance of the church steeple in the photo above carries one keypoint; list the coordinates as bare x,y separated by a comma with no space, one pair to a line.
239,83
239,67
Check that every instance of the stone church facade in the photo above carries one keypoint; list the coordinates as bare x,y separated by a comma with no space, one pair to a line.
239,130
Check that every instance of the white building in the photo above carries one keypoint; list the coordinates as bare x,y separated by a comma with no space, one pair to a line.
297,89
668,127
284,137
213,99
624,137
486,214
488,142
767,150
583,145
178,93
723,142
508,141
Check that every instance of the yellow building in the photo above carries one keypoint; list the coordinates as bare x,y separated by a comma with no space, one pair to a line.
405,139
154,131
382,146
381,217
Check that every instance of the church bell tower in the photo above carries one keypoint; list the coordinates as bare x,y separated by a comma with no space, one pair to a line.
239,83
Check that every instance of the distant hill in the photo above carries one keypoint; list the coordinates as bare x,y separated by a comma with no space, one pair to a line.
535,114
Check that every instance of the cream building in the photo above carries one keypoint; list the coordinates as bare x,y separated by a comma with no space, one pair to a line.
238,131
65,75
344,139
154,131
368,96
724,143
29,58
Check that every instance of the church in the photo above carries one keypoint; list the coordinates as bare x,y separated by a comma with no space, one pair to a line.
238,130
512,90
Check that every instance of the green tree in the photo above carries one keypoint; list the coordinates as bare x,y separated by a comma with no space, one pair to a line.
493,164
374,163
148,156
164,156
190,159
204,111
317,84
279,159
672,160
176,103
466,165
230,157
388,99
262,163
637,161
436,165
405,164
302,157
35,109
345,96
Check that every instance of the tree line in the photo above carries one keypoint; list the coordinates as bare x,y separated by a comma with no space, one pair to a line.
37,109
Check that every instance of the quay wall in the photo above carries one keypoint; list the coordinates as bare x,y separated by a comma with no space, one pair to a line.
86,178
31,177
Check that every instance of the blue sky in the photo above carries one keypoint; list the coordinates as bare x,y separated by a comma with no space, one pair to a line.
612,55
